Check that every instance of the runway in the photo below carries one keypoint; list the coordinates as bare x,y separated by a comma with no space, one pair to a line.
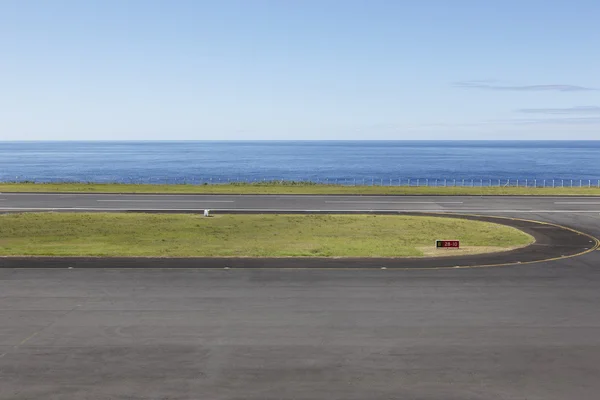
506,205
512,332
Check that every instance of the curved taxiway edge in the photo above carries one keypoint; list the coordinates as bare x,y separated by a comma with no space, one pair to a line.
552,242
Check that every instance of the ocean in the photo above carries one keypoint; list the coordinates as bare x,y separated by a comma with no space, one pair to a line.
344,162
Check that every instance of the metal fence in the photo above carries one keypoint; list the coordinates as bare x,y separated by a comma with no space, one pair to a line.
405,182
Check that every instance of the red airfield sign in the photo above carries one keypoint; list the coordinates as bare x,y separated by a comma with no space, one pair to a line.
447,244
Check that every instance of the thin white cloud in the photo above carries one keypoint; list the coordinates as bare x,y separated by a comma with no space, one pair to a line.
582,110
560,121
488,85
519,122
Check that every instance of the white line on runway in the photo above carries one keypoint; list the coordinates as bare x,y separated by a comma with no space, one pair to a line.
577,202
117,194
396,202
169,201
282,211
288,195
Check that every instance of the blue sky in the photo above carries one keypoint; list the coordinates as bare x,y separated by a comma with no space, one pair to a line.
447,69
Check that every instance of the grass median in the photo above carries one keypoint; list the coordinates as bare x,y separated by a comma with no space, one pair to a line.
188,235
298,188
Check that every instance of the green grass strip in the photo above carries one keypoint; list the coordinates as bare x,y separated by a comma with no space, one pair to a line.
171,235
296,188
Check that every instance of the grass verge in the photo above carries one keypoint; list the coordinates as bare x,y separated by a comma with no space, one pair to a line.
186,235
293,188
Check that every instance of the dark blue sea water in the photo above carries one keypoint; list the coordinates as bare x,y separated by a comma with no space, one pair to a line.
324,161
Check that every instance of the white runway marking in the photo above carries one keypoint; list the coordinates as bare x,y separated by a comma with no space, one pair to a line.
168,201
302,196
283,211
159,195
578,202
394,202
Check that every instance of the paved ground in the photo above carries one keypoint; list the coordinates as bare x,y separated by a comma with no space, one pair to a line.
478,204
517,332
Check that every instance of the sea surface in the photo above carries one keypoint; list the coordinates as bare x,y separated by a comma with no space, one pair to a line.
344,162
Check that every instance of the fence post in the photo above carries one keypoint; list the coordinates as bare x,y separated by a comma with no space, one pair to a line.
454,183
590,183
535,183
571,182
463,182
526,182
517,182
445,182
418,179
427,182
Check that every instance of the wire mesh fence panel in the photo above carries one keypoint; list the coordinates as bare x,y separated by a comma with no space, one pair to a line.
436,182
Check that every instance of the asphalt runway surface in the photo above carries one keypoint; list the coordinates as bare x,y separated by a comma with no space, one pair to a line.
529,331
501,205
